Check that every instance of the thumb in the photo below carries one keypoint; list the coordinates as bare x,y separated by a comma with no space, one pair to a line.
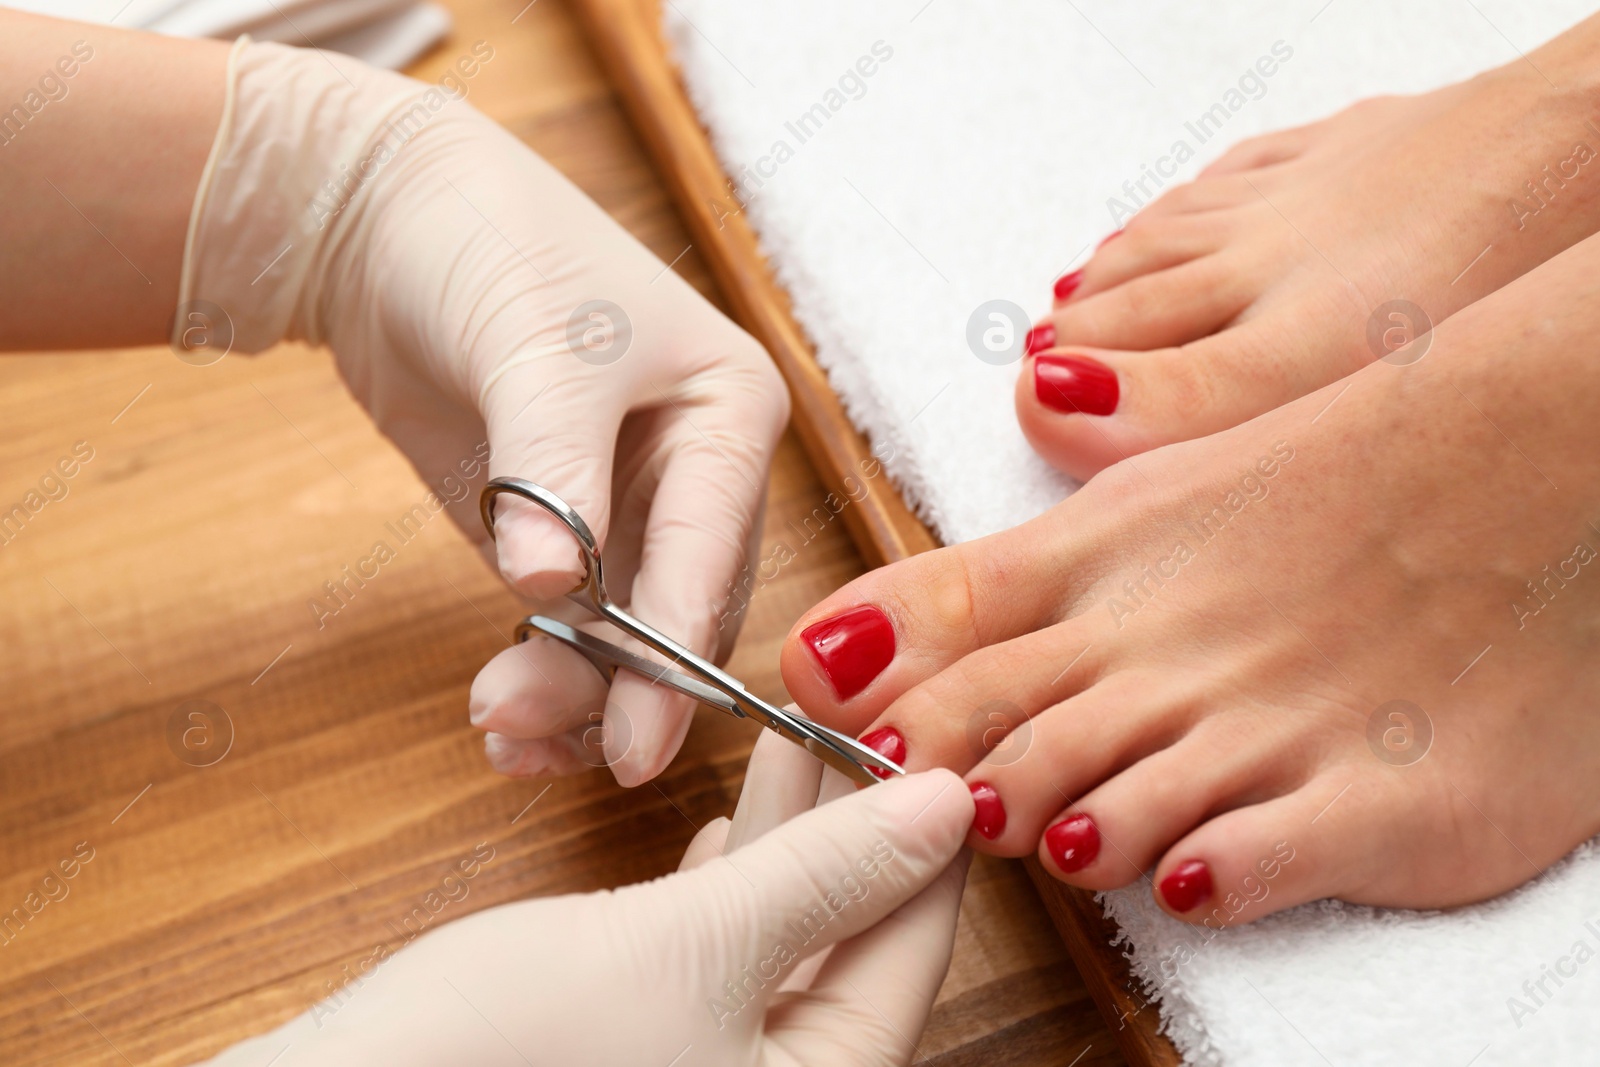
835,871
558,428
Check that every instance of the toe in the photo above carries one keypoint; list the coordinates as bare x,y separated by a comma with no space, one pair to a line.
1041,764
852,655
1270,149
1144,247
1139,813
1311,843
982,703
1084,409
1167,307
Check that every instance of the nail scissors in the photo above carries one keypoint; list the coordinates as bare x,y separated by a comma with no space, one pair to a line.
704,680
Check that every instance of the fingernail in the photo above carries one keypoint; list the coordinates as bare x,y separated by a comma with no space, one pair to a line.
538,558
1107,239
1073,842
1068,284
886,742
1075,384
1040,337
852,649
990,820
502,753
1187,887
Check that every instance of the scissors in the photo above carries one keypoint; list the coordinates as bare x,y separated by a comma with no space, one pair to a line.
704,680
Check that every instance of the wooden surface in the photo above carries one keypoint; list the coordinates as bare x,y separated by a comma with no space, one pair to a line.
223,899
628,38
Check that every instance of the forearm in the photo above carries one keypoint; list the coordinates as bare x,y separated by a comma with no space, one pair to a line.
98,171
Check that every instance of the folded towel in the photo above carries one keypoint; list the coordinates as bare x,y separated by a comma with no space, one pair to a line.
385,33
907,162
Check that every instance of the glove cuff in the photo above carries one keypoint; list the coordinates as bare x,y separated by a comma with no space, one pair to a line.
299,139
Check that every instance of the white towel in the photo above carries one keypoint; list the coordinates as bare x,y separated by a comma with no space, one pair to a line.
958,152
385,33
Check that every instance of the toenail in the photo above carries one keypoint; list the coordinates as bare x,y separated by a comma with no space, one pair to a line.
887,742
1073,842
852,649
1075,384
1040,337
1187,887
1107,239
990,820
1068,284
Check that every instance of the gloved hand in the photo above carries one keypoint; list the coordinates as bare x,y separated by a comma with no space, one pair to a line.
817,939
480,306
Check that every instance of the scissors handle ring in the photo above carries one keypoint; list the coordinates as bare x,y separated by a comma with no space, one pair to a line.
593,582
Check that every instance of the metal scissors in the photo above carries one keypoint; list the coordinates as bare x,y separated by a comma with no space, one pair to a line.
705,681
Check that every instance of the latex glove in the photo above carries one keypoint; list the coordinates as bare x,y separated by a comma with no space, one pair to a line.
714,965
453,273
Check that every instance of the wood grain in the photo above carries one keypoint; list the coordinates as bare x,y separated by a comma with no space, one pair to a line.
627,35
224,899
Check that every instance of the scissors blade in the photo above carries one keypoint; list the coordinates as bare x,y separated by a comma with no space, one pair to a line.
840,751
599,651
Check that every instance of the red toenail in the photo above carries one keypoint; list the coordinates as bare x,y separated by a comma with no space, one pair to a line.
1108,238
886,742
1073,843
1074,384
1068,284
1187,887
1040,337
852,649
990,821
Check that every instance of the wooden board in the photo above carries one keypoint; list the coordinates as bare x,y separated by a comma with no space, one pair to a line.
627,35
223,899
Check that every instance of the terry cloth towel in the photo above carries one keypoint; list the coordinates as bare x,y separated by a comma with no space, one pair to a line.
385,33
906,163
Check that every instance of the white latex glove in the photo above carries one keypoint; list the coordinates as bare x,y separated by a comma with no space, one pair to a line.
454,274
714,965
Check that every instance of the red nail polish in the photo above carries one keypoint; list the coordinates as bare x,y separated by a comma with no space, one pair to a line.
852,649
1041,337
886,742
990,821
1107,239
1073,842
1075,384
1068,284
1187,887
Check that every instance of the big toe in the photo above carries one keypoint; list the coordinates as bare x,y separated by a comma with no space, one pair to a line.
1084,409
872,641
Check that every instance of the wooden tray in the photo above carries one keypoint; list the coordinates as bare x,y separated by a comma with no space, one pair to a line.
627,36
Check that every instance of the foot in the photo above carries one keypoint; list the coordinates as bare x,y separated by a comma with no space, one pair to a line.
1272,274
1348,649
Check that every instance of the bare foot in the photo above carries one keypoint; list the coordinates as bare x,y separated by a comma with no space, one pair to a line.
1350,648
1259,281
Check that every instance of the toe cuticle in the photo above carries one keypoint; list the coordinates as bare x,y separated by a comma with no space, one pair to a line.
1107,239
1074,842
1039,338
1075,384
990,819
1068,284
887,742
851,648
1187,887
